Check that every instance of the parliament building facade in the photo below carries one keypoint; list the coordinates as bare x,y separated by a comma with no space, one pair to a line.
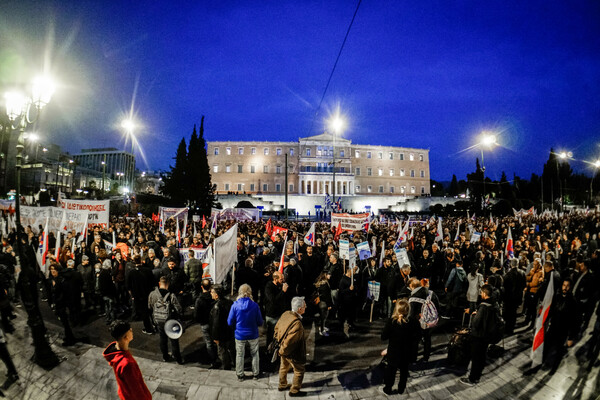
259,168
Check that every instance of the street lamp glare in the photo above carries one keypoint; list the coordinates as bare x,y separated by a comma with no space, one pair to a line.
15,104
128,125
337,124
33,137
42,90
597,163
488,140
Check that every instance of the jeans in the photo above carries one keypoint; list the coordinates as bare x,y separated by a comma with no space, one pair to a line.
323,313
240,354
211,348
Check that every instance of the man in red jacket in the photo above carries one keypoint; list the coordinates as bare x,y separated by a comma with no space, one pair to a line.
129,377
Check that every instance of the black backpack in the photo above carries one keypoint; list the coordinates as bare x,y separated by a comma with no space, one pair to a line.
496,326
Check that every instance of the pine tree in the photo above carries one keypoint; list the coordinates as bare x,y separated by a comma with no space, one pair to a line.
454,190
175,181
193,170
206,196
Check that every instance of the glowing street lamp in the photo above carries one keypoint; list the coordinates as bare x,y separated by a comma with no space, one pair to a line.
337,125
129,126
19,109
596,165
489,141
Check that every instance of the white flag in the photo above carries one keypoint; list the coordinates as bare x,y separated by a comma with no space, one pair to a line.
57,250
225,248
213,226
440,233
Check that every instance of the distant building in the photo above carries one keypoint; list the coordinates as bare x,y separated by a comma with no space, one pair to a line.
259,168
119,165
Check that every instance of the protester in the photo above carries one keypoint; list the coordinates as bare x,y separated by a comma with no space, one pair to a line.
165,306
129,377
220,331
289,332
202,308
246,317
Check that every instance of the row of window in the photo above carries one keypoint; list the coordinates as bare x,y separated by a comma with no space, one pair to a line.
265,187
240,169
413,189
325,151
266,150
391,172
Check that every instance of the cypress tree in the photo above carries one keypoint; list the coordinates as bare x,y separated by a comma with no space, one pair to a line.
175,181
206,195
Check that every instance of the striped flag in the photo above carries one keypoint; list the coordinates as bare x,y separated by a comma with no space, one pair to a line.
309,238
537,349
382,253
282,254
509,245
213,226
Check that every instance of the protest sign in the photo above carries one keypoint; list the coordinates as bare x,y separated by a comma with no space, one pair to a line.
373,290
350,222
344,249
402,257
364,251
475,237
238,214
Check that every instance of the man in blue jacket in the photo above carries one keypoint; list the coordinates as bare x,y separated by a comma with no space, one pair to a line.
245,316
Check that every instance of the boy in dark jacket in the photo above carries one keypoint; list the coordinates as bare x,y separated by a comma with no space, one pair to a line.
129,377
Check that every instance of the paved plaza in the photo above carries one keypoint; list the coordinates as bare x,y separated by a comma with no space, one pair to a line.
338,369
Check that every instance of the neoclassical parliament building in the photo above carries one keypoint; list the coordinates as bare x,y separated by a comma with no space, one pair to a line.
258,168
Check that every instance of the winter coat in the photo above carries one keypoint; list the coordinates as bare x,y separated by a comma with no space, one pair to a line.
289,331
475,284
219,328
403,340
481,324
202,308
246,317
275,300
129,377
534,280
456,280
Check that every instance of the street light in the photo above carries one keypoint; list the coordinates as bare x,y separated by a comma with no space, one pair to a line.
18,109
129,127
336,124
489,141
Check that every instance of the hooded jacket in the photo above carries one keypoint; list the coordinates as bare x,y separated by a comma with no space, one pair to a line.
129,377
245,315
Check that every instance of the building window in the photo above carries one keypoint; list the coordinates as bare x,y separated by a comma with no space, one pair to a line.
291,187
402,173
319,151
357,171
380,172
278,169
266,151
291,152
422,174
291,168
413,190
368,154
308,152
253,150
278,152
252,187
391,155
380,155
403,189
216,151
252,169
227,186
341,153
412,173
228,151
240,169
357,189
391,189
369,189
266,169
228,168
278,187
240,151
422,189
391,172
369,171
421,158
215,169
240,187
357,154
380,188
401,156
411,157
265,187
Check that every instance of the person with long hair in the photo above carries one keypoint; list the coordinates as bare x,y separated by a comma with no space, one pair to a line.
403,334
325,302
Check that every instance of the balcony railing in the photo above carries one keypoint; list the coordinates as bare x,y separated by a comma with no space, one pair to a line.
327,170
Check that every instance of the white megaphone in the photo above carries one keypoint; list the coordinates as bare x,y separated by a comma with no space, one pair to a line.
173,329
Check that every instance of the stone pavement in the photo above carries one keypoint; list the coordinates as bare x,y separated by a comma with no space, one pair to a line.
84,375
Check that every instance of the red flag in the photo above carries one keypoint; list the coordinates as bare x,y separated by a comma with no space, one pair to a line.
203,222
282,253
338,232
269,227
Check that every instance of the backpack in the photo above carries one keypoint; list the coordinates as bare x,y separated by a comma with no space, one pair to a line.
496,327
429,314
161,312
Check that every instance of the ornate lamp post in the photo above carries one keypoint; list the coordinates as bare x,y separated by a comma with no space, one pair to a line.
337,125
489,141
19,109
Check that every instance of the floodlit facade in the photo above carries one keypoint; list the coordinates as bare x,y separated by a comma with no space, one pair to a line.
259,168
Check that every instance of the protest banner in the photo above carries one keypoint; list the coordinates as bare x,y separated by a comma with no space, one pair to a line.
475,237
184,253
402,257
59,219
364,251
350,222
97,210
278,230
344,249
237,214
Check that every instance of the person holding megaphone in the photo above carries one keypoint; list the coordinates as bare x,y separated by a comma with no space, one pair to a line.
166,312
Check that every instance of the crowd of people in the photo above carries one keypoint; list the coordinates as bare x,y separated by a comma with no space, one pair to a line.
142,276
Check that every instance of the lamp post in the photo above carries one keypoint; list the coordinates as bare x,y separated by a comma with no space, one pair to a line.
129,127
486,140
337,125
18,109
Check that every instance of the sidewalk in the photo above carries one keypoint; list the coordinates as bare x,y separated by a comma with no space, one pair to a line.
84,375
